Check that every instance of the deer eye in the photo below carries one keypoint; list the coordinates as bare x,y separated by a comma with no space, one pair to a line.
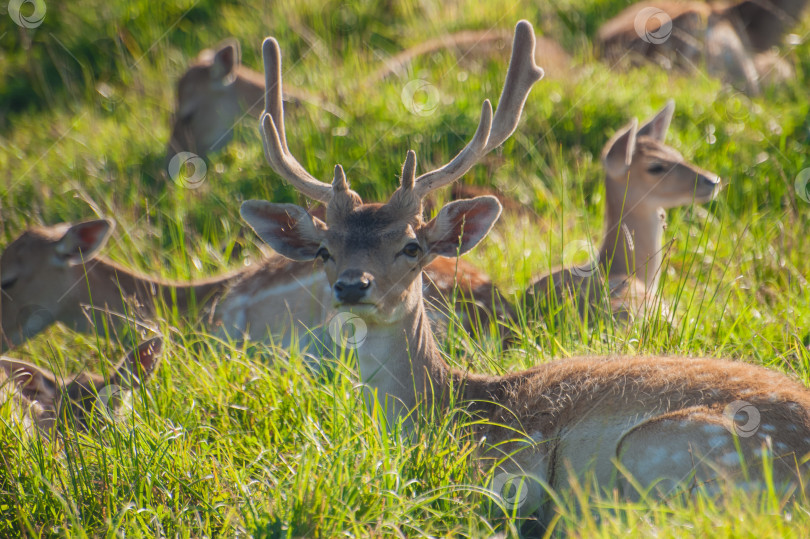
323,254
412,250
656,168
8,283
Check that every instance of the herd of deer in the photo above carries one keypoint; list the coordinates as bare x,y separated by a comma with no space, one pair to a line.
638,424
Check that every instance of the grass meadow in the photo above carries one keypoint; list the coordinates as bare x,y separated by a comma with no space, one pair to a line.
236,440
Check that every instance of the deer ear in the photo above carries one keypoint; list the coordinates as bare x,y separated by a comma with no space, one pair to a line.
82,241
618,153
460,225
657,126
137,367
287,228
33,383
226,59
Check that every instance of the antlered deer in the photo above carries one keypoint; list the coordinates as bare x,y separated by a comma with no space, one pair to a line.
733,40
52,274
643,176
217,90
42,400
658,418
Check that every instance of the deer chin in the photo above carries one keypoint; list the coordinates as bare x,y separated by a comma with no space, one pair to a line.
372,313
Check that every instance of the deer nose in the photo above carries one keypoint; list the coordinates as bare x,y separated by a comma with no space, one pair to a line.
711,179
352,286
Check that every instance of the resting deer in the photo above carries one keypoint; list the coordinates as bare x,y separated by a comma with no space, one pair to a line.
734,40
213,94
658,418
643,176
40,398
52,274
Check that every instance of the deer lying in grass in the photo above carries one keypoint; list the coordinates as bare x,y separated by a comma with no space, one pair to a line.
734,40
52,274
40,399
643,176
657,418
213,94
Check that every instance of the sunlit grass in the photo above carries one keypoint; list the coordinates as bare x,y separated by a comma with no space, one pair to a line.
231,439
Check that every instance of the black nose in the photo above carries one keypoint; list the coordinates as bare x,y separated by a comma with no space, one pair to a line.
712,180
352,288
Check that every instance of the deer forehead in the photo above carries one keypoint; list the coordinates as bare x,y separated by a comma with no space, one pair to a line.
370,227
651,149
29,243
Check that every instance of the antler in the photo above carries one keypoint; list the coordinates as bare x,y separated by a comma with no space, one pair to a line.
522,74
274,136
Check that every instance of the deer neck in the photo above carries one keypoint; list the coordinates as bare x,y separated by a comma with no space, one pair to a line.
402,361
249,88
633,237
104,284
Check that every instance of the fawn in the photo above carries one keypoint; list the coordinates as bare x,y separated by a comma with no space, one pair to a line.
643,176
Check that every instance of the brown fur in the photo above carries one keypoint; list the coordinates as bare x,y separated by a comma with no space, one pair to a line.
623,280
214,93
728,38
41,400
62,292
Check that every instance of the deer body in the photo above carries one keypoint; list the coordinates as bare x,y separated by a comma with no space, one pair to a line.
642,177
37,396
53,274
579,414
734,40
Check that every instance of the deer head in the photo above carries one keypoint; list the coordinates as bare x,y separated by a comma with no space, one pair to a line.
374,253
207,102
54,399
37,271
644,171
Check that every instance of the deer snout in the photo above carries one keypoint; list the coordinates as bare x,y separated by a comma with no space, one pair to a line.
352,287
708,185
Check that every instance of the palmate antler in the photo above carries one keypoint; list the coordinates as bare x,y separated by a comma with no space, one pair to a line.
522,74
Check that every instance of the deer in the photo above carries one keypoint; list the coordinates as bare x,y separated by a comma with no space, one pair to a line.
643,178
735,41
636,422
53,274
43,402
214,93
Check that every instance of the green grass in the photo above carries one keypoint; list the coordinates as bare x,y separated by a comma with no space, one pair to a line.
229,440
